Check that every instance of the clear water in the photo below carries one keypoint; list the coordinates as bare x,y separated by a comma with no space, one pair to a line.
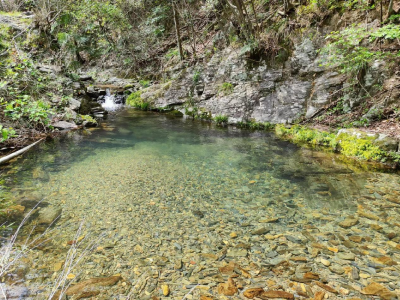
153,190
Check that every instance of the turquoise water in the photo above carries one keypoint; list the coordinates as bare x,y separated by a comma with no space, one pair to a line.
151,192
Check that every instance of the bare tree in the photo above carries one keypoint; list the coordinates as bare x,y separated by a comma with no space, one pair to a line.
178,31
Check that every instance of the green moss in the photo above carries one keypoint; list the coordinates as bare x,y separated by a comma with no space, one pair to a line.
363,148
88,118
136,101
349,145
301,134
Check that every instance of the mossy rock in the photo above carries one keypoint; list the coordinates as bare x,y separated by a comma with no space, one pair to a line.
175,113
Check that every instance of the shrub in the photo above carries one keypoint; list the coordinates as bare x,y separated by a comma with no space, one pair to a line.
144,83
196,77
37,113
6,133
221,120
350,145
136,101
256,125
345,49
226,88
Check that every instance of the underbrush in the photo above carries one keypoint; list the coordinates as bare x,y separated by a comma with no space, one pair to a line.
135,100
256,125
363,148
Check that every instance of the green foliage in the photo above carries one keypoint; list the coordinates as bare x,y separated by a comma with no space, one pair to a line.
83,29
346,51
89,119
362,148
226,88
36,113
256,125
158,19
144,83
136,101
196,77
350,145
221,120
173,52
6,133
197,113
300,134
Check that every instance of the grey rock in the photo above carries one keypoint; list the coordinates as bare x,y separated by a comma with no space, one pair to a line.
260,231
85,77
236,252
64,125
346,256
48,215
272,254
336,269
74,104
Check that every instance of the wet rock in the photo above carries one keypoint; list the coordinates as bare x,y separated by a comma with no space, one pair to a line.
336,269
326,287
260,231
253,292
49,215
319,295
346,256
349,222
354,274
89,288
276,294
325,262
236,252
198,213
63,125
377,289
165,290
228,289
272,254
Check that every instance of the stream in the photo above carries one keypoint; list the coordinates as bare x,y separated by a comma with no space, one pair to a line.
174,207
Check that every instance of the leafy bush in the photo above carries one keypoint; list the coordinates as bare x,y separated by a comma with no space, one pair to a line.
144,83
256,125
172,53
226,88
89,119
302,134
363,148
196,77
350,145
136,101
6,133
346,51
36,113
221,120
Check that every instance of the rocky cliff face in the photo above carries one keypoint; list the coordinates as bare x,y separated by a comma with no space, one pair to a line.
230,84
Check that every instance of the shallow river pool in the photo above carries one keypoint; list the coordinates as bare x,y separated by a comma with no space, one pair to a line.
155,207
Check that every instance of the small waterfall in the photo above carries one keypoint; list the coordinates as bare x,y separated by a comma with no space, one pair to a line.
109,103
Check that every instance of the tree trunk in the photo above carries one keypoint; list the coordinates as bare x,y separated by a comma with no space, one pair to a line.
193,32
178,31
390,9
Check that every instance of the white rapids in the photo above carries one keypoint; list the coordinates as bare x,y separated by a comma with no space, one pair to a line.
109,103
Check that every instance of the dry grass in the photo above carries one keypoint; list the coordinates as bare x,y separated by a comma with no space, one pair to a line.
11,252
